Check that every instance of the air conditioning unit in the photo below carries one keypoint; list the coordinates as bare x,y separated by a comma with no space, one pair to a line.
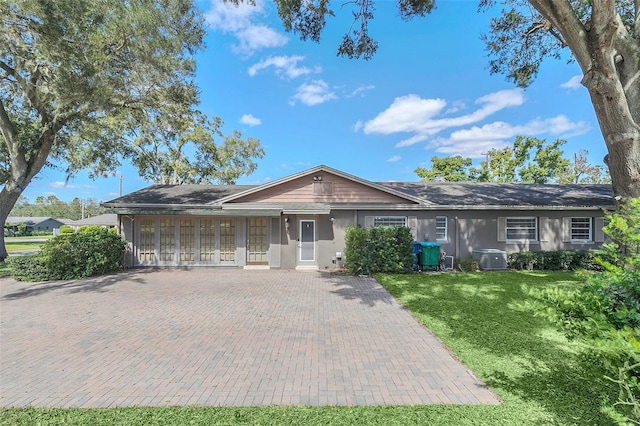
491,259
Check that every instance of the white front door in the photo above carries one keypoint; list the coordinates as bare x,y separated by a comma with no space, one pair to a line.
307,242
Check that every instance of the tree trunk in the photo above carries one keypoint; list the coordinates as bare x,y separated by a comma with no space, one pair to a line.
609,57
8,198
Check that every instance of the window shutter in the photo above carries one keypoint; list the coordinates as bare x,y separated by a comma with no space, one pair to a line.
566,229
413,225
368,221
598,232
502,229
544,229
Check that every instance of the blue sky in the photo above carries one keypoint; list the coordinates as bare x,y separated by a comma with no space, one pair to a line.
426,92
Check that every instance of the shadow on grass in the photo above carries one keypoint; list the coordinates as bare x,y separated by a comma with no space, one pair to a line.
93,284
485,320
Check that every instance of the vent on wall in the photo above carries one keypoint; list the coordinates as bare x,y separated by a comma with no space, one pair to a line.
491,259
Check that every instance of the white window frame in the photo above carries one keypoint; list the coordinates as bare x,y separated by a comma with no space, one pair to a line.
390,219
572,228
442,233
535,228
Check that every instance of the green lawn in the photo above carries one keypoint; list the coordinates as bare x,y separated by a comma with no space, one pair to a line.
14,244
483,318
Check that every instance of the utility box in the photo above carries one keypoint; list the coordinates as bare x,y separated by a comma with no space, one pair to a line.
429,257
491,259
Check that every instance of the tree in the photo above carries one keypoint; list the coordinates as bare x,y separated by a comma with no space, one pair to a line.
449,169
514,164
602,36
190,154
581,171
529,160
80,79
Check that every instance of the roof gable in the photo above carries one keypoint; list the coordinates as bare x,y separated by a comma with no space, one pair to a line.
322,184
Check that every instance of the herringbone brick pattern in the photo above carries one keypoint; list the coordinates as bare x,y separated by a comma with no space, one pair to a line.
218,337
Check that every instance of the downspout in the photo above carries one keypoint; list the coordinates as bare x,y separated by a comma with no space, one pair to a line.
457,245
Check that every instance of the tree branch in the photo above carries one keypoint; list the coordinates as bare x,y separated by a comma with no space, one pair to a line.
562,16
7,128
636,20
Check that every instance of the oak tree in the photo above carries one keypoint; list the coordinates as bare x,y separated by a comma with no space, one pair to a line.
81,79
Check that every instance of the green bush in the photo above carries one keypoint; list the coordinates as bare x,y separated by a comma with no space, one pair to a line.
90,251
28,268
66,229
379,249
558,260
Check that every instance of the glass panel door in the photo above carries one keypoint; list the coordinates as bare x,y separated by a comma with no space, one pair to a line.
257,244
307,240
167,240
187,240
207,240
227,240
147,244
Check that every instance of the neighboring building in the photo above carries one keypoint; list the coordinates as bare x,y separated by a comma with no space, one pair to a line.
35,224
300,221
107,220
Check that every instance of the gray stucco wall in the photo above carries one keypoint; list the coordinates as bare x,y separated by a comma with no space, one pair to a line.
467,231
472,229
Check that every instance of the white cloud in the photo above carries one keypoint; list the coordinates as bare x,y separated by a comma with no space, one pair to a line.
405,114
285,66
573,83
240,21
360,90
313,93
474,141
394,159
250,120
413,114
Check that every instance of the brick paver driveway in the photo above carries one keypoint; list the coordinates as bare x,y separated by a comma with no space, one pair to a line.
220,338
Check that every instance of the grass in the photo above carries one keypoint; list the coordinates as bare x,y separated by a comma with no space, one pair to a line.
484,318
14,244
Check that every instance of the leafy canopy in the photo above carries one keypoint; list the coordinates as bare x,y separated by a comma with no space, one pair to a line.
529,160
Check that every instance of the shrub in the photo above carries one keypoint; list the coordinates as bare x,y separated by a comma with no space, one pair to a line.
379,249
559,260
28,268
90,251
66,229
469,265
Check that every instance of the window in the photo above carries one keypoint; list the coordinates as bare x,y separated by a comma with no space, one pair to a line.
521,228
441,227
390,221
581,228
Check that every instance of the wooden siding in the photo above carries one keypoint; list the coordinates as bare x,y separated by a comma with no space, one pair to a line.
301,190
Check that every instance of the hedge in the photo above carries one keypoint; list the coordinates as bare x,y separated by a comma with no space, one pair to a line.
90,251
558,260
379,249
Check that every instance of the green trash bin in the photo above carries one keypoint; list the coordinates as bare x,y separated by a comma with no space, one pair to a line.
429,256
